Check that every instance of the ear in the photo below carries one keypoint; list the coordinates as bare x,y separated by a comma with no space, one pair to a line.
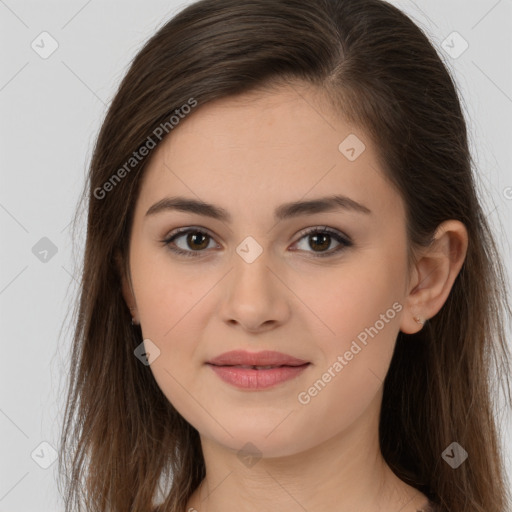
126,287
435,272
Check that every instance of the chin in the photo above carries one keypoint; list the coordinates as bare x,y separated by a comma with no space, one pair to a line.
268,439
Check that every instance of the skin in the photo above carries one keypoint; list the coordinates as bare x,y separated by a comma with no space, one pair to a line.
249,154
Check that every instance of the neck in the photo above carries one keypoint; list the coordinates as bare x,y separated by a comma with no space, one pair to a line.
344,473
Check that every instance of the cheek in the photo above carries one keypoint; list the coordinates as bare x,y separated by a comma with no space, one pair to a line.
168,319
349,301
360,317
172,317
166,293
347,385
171,301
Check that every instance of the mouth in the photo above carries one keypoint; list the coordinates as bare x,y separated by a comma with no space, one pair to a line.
257,371
259,360
255,367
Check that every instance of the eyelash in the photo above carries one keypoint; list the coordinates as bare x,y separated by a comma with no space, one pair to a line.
343,240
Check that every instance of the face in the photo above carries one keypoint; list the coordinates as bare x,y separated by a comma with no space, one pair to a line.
323,283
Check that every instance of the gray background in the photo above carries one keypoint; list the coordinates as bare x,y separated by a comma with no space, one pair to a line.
51,110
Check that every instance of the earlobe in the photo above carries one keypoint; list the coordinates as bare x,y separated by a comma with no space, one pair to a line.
436,269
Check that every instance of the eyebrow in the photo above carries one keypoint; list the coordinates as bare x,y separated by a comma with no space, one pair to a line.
285,211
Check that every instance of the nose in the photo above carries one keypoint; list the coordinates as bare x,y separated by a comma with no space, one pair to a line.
255,296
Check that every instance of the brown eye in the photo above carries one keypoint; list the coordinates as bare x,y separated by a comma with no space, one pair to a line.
323,241
195,241
320,239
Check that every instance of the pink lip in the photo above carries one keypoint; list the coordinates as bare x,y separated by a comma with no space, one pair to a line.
229,367
264,358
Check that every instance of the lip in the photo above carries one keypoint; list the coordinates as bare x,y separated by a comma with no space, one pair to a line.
264,358
235,368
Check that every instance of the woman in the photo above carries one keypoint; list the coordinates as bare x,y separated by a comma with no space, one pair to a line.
291,298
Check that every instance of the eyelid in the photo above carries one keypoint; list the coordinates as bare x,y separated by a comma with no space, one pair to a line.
343,240
324,229
183,231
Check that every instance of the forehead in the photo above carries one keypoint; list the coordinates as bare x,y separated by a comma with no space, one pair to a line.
267,147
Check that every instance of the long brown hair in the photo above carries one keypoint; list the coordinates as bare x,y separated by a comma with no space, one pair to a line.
121,437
